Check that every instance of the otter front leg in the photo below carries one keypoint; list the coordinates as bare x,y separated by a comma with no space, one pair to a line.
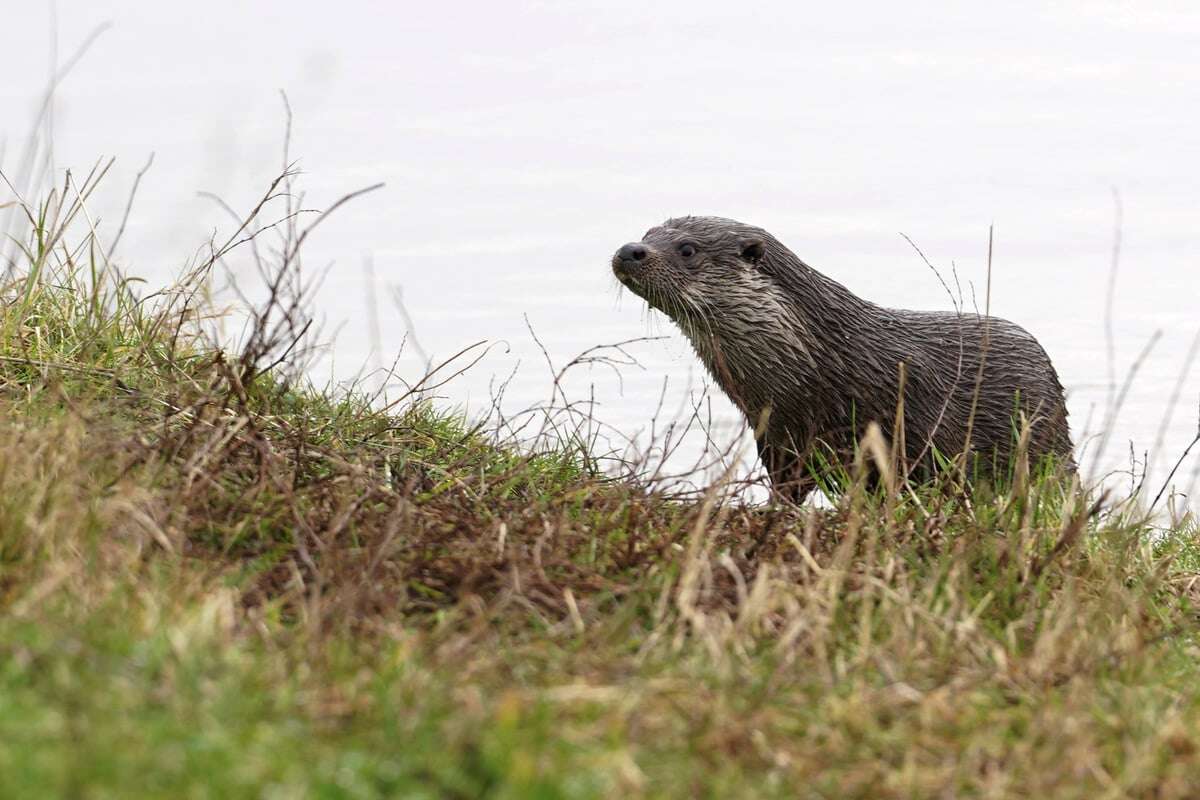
790,480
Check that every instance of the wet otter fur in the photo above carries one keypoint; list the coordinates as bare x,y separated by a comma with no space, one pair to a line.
811,365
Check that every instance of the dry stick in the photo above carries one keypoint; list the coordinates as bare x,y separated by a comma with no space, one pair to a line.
48,129
699,539
709,444
265,335
287,130
374,336
983,358
51,218
645,459
1070,534
586,358
286,165
1195,479
958,368
137,180
1109,299
496,411
626,359
576,419
48,365
95,236
82,196
78,206
216,255
29,157
260,342
290,254
1086,437
672,440
1106,434
59,222
409,326
1110,349
713,455
1176,392
1171,474
296,337
900,464
420,385
514,431
557,391
231,243
252,239
389,372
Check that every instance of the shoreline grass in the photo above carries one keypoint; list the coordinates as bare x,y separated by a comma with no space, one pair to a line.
216,581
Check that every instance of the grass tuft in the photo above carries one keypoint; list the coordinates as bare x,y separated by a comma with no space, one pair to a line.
217,580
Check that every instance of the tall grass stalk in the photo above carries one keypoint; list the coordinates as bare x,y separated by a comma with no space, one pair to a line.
219,580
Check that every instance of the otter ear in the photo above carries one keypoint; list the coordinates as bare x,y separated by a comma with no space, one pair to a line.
752,250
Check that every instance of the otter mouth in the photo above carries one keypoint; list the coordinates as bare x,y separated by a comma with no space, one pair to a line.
627,280
650,293
626,277
637,276
632,284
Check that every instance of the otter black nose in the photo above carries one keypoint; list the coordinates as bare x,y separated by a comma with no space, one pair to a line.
634,251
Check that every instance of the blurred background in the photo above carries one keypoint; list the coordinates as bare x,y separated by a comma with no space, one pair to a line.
522,143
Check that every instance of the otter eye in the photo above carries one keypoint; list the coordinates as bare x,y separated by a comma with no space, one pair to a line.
687,250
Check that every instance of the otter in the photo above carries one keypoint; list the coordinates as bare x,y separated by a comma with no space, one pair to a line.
811,365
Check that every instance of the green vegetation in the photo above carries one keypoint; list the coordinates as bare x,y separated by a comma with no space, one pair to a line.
216,581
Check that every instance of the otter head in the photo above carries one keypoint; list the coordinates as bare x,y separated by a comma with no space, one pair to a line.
688,266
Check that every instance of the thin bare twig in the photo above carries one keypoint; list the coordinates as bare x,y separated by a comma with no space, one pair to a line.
112,247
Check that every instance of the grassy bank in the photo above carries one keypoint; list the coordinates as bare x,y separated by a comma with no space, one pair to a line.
216,581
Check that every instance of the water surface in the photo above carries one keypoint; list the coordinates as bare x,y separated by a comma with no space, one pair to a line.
521,143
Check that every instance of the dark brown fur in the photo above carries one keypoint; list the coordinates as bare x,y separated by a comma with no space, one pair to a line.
811,364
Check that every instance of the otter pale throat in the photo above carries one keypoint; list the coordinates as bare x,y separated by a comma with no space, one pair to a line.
811,365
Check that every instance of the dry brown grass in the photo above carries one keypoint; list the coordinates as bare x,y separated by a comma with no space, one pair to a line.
218,580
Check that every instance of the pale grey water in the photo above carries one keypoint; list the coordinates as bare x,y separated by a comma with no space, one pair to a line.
521,143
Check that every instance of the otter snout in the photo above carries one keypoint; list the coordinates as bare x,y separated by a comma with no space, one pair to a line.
627,261
634,251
